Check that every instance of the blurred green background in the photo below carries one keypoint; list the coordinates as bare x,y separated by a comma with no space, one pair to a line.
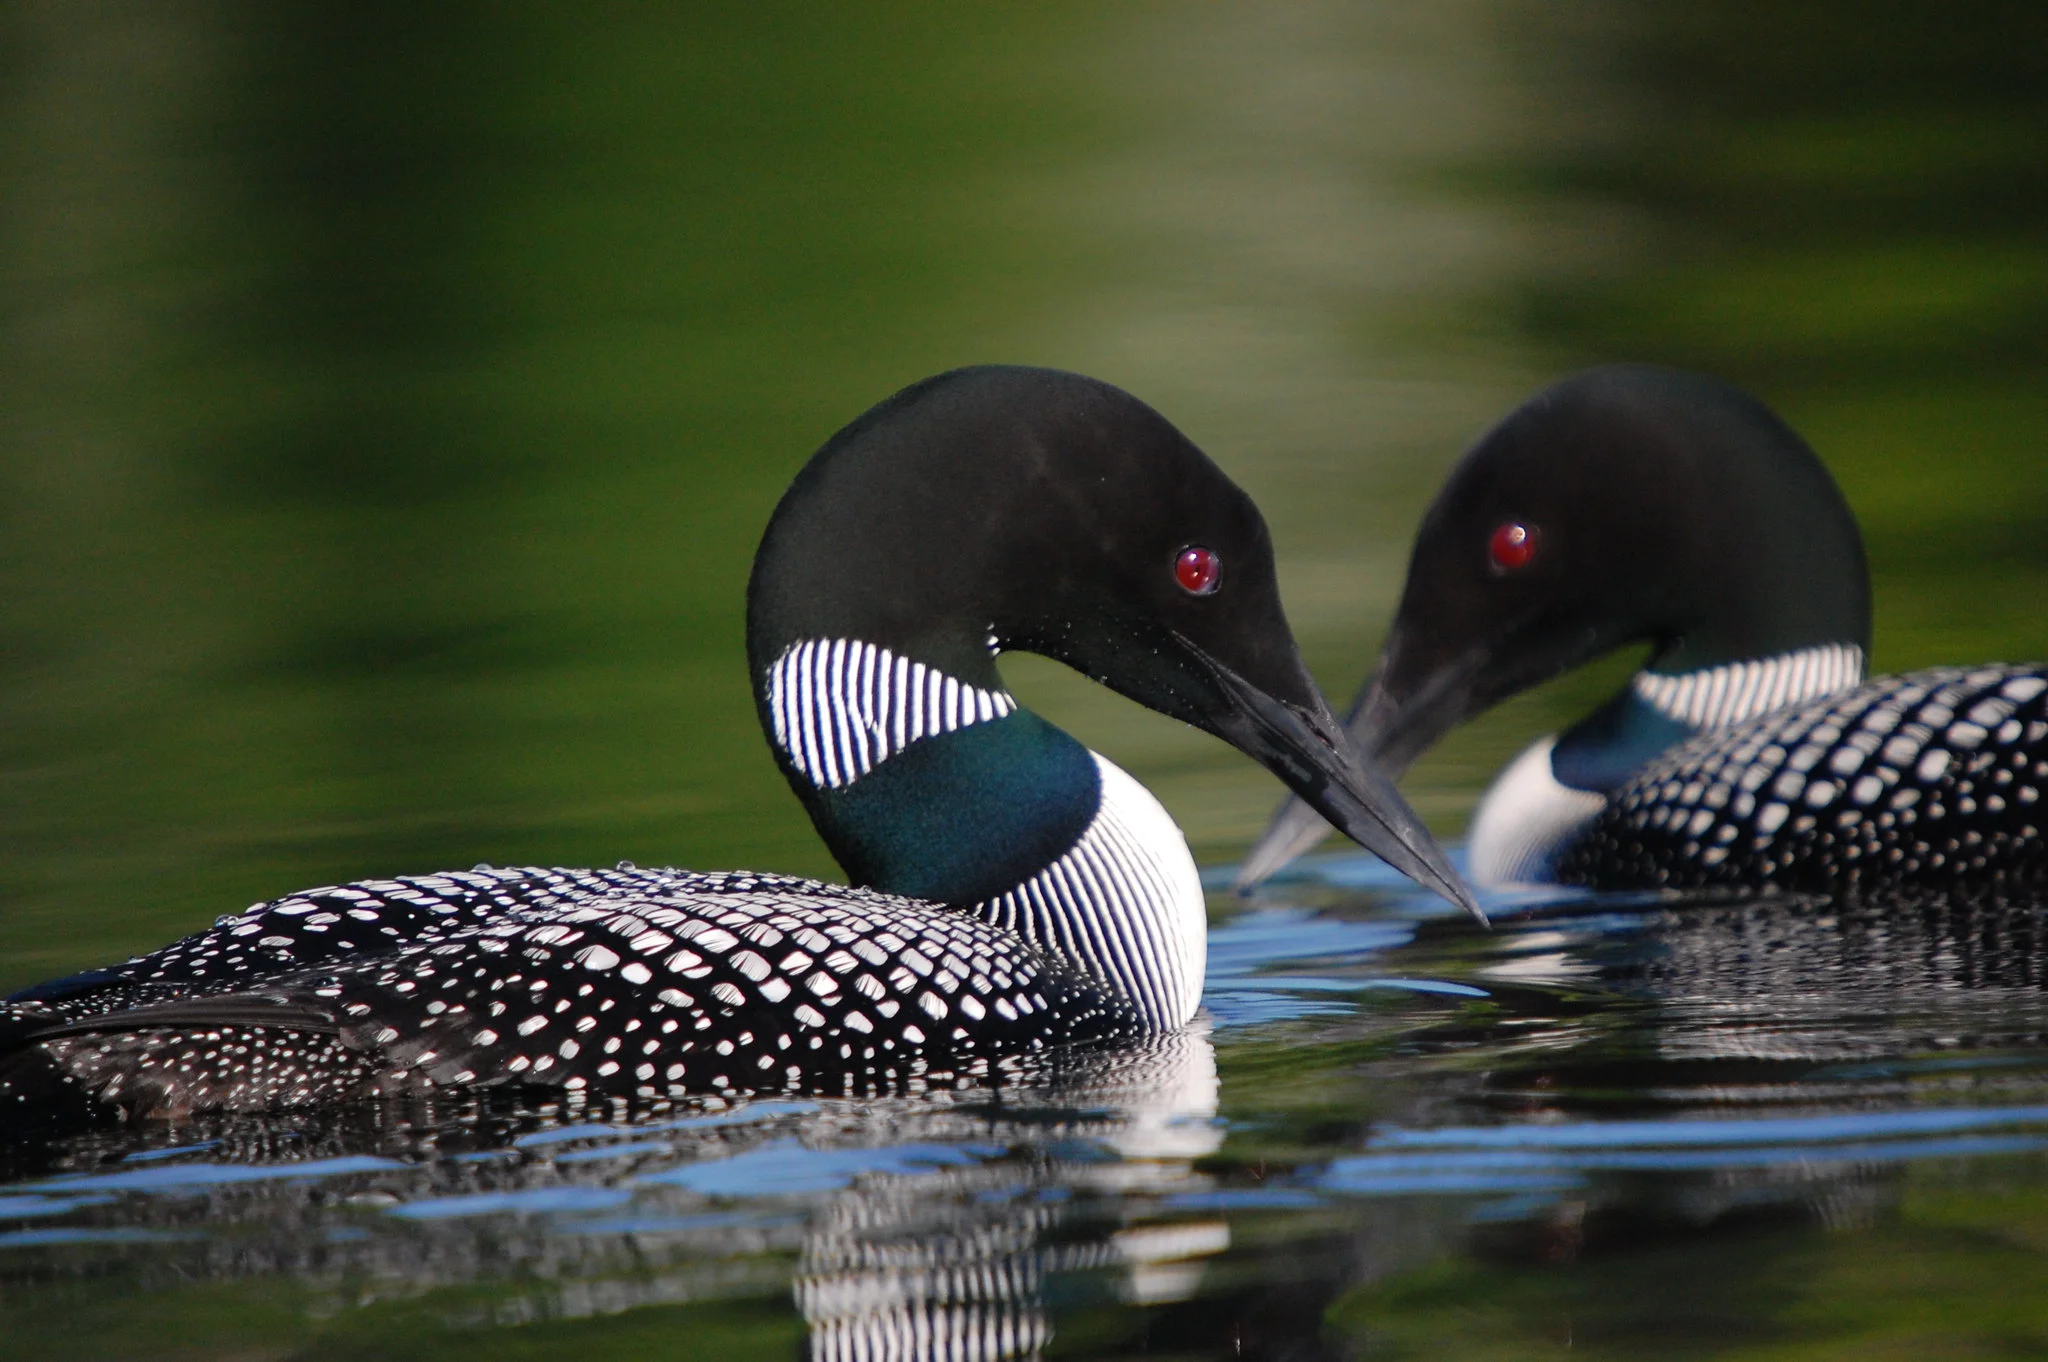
391,395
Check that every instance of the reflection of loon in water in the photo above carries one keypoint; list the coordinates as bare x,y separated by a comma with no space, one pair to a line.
922,1226
1816,980
1654,1067
905,1269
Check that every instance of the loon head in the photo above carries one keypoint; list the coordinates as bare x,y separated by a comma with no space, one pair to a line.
1628,504
1003,508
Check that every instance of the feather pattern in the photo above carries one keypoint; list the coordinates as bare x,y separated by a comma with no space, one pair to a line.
650,983
1930,776
1714,697
839,707
1125,904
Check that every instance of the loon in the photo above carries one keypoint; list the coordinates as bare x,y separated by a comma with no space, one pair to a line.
1013,891
1633,504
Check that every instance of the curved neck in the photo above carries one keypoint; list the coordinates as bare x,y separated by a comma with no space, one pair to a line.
930,787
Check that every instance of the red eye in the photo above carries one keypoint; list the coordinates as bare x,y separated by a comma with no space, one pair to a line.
1198,570
1511,547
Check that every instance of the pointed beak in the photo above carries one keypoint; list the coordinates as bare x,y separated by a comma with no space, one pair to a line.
1391,725
1334,779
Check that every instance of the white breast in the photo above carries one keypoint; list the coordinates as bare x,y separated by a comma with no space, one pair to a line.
1125,904
1525,818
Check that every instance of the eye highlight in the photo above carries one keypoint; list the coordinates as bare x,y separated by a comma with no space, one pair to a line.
1512,547
1198,570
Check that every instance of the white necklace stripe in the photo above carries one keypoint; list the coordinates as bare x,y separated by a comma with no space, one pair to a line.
840,753
1124,904
841,707
1113,936
1715,697
1142,884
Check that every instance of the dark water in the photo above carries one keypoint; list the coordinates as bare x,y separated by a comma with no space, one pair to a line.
390,399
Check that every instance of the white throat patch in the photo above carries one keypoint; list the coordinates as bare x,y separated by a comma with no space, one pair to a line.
841,707
1715,697
1523,819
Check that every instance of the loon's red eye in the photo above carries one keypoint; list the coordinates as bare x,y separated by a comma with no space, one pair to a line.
1512,546
1198,570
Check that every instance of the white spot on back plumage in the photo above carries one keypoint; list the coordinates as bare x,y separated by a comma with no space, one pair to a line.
1527,816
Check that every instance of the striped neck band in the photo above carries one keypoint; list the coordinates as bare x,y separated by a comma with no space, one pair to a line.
841,707
1125,904
1715,697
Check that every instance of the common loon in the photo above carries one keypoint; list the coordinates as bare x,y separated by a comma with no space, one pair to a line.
1014,891
1633,504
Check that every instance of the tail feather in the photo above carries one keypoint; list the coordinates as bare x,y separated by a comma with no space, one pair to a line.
233,1010
64,1075
40,1100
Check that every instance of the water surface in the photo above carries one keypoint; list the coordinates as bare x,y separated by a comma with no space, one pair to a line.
392,399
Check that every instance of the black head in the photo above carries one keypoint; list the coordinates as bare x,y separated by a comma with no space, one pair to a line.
1043,511
1628,504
